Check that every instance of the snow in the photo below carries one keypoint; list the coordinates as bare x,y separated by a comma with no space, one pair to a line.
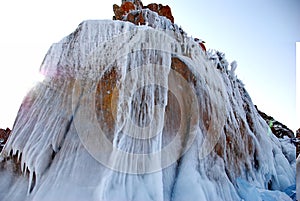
215,148
291,192
298,177
249,192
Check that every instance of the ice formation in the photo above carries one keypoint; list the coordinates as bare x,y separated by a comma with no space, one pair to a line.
131,112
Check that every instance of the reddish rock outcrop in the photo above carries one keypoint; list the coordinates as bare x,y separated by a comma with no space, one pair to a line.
166,11
161,10
278,129
118,12
127,6
201,44
136,18
133,11
4,134
153,7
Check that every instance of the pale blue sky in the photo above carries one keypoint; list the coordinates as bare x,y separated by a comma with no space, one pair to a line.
260,35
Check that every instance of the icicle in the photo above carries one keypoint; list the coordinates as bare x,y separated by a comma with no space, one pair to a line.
15,151
31,182
52,122
19,155
22,167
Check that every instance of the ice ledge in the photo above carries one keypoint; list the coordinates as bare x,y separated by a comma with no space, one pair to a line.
96,44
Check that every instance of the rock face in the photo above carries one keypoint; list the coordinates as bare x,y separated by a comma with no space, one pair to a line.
131,112
278,129
128,6
161,10
125,8
136,13
4,134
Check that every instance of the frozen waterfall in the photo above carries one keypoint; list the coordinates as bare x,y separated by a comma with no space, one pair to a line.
130,112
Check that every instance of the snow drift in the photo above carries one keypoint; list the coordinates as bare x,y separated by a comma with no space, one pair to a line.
129,112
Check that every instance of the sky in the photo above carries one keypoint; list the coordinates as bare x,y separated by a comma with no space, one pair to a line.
260,35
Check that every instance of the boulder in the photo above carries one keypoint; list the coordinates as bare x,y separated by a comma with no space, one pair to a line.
128,6
125,8
118,12
166,11
153,7
161,10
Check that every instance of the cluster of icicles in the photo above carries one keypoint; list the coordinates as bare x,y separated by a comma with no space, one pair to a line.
220,140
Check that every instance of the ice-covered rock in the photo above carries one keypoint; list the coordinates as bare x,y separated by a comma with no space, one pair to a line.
298,142
135,12
131,112
4,133
278,129
298,177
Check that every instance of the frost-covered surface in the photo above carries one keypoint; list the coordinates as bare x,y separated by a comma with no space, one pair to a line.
57,150
249,192
298,178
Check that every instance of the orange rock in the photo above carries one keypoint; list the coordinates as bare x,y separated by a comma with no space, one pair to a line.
201,43
4,134
105,101
166,11
153,7
131,18
119,12
116,7
127,6
161,10
136,18
180,67
202,46
141,20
